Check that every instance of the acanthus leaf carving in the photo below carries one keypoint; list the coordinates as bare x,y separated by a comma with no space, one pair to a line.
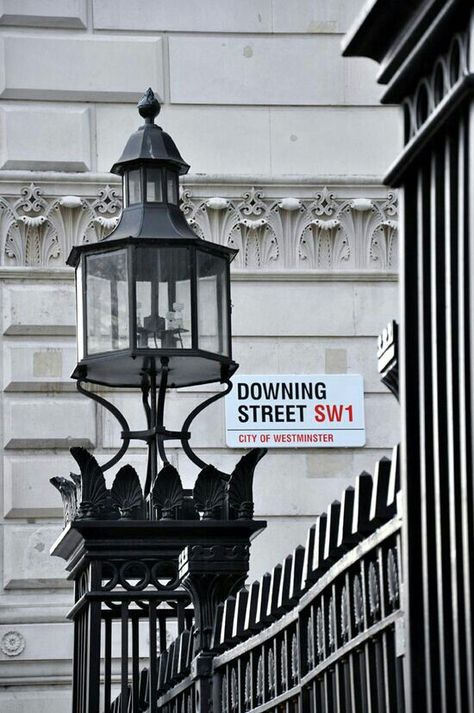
285,232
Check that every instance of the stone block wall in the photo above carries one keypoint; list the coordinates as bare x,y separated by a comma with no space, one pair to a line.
287,149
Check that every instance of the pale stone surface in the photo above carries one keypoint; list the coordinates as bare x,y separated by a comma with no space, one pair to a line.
170,16
38,309
27,490
382,420
217,140
357,140
372,307
39,67
314,17
37,699
41,647
268,70
310,355
296,308
62,138
27,562
48,422
44,13
38,365
258,16
280,538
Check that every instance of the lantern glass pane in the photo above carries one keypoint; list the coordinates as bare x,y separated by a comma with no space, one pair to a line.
107,302
213,309
80,311
172,187
134,187
154,189
124,191
163,298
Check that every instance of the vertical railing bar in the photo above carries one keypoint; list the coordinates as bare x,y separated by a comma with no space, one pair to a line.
162,630
124,657
153,658
82,654
452,462
180,617
135,617
107,663
465,210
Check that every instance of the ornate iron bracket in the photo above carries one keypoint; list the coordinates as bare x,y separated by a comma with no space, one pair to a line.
126,433
153,399
190,418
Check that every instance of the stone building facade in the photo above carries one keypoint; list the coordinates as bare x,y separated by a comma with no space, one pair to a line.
287,146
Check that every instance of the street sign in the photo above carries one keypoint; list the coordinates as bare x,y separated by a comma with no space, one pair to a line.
295,411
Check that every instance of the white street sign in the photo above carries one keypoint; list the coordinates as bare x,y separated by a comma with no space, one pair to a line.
295,411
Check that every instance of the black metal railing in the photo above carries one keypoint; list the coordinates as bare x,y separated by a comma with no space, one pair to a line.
322,632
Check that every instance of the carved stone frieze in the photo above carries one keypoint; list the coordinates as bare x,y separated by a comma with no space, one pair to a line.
39,231
318,231
322,233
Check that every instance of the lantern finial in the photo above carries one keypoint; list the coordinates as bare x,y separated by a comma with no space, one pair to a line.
149,106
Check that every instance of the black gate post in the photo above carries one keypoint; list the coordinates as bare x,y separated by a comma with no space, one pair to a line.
425,53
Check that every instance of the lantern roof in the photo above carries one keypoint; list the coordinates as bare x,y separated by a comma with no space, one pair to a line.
149,142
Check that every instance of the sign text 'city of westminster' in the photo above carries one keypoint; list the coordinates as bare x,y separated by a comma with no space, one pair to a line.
290,411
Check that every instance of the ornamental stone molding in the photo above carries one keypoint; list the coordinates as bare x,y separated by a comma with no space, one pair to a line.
318,228
12,643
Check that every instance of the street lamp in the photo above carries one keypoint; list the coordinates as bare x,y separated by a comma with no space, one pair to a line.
153,311
153,299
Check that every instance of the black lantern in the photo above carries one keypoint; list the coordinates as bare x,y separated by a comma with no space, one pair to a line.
152,294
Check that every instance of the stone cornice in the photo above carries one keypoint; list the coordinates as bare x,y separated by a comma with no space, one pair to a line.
283,225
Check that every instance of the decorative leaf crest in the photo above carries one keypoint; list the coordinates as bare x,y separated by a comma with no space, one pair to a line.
167,492
67,490
283,666
271,672
94,492
127,493
260,687
77,480
209,492
241,484
294,659
248,687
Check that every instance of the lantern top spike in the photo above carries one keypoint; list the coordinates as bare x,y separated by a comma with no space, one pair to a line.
149,143
149,107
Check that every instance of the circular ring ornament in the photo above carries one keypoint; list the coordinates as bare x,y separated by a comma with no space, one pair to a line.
133,567
12,643
164,581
